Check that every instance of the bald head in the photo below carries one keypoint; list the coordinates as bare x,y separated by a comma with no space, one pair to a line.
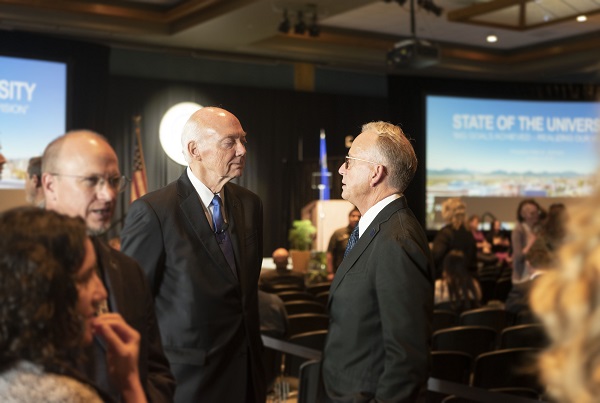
81,177
280,258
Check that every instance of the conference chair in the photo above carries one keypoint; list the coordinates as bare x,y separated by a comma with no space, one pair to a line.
314,340
531,335
318,287
308,384
322,297
300,306
496,318
508,368
287,296
453,366
472,340
278,288
307,322
503,287
443,319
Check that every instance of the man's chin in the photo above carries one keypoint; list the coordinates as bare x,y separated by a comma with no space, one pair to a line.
95,229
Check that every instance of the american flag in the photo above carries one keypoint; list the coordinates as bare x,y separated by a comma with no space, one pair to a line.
139,182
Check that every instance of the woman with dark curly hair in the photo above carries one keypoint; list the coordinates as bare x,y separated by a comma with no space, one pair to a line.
49,298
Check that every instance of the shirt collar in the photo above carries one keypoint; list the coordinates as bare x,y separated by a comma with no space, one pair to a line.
204,192
371,213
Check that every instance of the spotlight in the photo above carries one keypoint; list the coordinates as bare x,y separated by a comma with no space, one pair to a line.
284,26
300,27
314,30
429,5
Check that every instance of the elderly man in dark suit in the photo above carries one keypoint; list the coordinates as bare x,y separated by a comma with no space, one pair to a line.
80,177
199,241
381,298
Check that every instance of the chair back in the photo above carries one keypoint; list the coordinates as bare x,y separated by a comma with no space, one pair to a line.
300,306
323,297
314,340
308,384
532,335
496,318
307,322
453,366
295,296
506,368
472,340
503,286
278,288
317,288
443,319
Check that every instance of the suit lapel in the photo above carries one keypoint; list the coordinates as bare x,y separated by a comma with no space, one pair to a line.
363,242
236,229
111,276
191,207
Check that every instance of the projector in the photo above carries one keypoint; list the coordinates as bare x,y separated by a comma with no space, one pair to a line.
415,53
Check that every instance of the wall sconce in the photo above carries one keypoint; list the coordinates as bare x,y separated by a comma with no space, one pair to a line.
284,26
301,27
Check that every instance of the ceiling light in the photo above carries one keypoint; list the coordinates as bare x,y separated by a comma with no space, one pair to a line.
284,26
491,38
300,27
581,18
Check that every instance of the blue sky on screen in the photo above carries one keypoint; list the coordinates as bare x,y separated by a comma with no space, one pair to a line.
484,135
32,105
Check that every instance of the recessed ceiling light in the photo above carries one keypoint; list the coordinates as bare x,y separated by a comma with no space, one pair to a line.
581,18
491,38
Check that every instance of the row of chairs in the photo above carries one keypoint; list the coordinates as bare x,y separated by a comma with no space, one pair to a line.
475,340
495,317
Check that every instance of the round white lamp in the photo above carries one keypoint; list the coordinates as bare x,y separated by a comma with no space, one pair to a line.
171,126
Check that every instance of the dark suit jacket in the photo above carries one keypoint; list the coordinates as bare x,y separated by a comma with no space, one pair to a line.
208,319
129,295
380,304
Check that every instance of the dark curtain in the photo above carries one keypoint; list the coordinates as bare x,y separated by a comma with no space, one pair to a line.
283,139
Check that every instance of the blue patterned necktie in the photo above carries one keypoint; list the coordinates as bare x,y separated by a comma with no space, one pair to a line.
220,228
352,240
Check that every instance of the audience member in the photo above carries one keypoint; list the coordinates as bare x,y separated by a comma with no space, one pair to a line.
554,227
199,240
482,244
273,316
454,236
281,274
80,177
538,259
529,215
381,299
338,242
50,294
567,301
457,286
499,239
34,194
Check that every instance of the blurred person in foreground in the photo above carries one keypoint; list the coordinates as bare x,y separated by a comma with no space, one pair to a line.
338,242
81,178
567,302
49,298
34,194
199,240
381,298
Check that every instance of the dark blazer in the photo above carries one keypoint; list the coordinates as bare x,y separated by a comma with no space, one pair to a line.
129,295
448,239
380,305
208,319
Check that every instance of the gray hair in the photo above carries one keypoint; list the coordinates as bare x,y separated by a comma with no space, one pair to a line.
396,150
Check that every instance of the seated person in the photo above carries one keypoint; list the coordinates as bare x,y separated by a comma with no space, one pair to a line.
281,274
538,260
457,285
499,239
50,296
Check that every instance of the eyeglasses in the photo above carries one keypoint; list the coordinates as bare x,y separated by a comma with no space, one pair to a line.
348,158
116,183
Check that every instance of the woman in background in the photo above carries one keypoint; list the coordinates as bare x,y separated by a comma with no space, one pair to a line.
529,217
50,294
454,235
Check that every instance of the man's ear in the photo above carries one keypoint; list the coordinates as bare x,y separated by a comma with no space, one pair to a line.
194,150
48,184
377,175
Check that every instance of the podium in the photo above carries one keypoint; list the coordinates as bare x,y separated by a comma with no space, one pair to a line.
326,216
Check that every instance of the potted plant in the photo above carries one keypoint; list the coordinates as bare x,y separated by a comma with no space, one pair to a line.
301,237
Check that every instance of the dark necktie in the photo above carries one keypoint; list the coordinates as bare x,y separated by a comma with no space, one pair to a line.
220,228
352,240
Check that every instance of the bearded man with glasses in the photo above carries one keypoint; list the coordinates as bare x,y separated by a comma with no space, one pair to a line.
81,177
